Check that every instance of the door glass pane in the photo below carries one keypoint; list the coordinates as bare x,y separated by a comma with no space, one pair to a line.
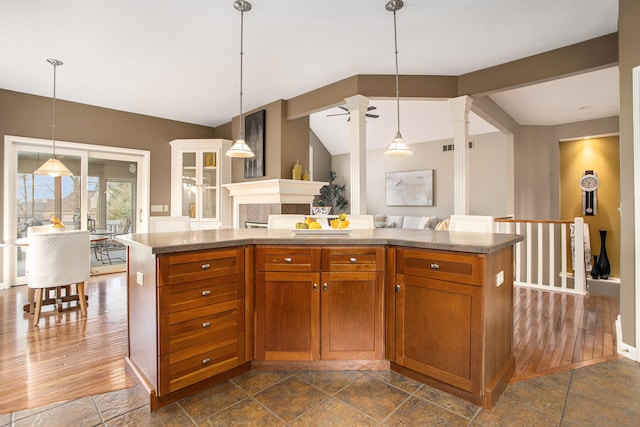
112,208
209,174
41,196
189,184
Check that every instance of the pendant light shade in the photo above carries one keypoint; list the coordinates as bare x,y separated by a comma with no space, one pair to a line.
397,146
53,167
240,148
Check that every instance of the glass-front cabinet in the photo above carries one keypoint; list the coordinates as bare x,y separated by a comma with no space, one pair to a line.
199,168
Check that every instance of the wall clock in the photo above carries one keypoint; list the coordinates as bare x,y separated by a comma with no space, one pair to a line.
589,183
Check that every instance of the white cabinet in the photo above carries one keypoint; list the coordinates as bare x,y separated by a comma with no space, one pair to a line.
198,170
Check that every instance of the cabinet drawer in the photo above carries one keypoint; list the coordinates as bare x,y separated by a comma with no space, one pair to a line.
353,259
449,266
183,368
189,329
199,265
201,293
289,258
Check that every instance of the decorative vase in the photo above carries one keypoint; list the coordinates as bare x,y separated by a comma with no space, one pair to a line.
595,271
296,171
603,259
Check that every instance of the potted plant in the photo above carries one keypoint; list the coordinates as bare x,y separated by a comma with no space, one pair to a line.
333,195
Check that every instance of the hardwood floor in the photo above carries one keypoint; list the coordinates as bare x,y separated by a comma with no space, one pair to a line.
68,357
555,332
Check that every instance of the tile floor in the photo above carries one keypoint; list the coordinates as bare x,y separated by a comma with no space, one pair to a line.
606,394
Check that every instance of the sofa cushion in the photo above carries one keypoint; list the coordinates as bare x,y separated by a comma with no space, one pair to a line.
396,220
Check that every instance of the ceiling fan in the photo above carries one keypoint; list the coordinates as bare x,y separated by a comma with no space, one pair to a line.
346,113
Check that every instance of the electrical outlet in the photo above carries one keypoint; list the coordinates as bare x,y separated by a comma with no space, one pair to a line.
500,278
140,278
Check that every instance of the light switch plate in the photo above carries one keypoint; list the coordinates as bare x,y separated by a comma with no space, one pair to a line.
140,278
500,278
156,208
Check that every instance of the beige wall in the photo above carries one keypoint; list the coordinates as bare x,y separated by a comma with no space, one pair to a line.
30,116
629,52
490,192
321,158
601,155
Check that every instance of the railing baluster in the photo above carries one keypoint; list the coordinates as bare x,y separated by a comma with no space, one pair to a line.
529,239
552,255
540,241
563,248
518,254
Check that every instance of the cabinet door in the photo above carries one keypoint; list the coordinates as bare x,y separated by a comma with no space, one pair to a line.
288,316
439,330
351,321
208,209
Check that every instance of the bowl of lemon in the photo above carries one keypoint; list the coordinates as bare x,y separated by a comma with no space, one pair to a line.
314,225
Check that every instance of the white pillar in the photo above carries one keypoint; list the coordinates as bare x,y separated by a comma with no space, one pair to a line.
460,107
357,106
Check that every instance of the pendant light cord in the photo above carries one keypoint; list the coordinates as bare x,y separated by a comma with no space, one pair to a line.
241,133
395,37
53,121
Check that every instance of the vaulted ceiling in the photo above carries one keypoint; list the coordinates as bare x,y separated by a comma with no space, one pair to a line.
180,59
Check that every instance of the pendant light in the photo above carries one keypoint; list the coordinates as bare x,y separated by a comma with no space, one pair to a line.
53,167
397,146
240,147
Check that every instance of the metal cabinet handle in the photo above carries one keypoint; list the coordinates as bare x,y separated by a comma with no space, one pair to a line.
206,324
325,287
398,289
205,293
205,266
287,259
315,287
435,266
354,259
206,361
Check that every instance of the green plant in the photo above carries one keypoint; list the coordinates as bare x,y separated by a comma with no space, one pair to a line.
332,195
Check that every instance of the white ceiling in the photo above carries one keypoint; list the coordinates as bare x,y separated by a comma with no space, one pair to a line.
180,59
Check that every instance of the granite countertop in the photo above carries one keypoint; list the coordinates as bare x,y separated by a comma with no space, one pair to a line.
181,241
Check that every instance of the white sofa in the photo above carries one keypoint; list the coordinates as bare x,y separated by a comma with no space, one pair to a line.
406,222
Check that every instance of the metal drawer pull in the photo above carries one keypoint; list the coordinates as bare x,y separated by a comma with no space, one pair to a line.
353,259
206,361
315,287
324,287
205,266
206,324
287,259
206,293
398,289
435,266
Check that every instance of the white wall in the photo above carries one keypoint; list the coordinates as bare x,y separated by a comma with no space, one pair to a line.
491,173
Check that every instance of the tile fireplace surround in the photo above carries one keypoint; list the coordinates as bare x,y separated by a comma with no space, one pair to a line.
254,201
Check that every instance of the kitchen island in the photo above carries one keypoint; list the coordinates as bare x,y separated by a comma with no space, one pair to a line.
205,306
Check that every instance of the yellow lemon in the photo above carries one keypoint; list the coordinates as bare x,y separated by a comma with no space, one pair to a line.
335,223
344,224
314,225
343,217
308,220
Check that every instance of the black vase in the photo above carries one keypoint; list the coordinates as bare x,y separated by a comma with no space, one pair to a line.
595,271
603,259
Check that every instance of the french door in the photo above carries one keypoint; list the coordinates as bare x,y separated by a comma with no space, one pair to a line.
107,194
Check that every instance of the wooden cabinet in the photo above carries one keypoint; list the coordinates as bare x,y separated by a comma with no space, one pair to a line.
314,303
445,327
198,169
200,309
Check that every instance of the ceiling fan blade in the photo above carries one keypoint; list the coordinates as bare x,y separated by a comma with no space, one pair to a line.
373,116
371,108
343,108
337,114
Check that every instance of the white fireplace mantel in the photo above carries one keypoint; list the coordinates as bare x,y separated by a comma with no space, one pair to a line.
272,191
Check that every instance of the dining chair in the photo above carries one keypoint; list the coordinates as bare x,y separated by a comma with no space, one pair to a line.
287,221
474,223
58,260
162,224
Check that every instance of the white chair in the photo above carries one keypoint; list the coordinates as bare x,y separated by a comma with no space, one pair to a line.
58,260
474,223
361,221
287,221
163,224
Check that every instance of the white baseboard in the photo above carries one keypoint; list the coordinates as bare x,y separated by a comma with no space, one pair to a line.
625,349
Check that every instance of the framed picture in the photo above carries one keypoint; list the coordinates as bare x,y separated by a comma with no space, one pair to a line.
254,133
412,188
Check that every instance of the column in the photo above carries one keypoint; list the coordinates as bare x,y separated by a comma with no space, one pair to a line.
357,106
460,107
